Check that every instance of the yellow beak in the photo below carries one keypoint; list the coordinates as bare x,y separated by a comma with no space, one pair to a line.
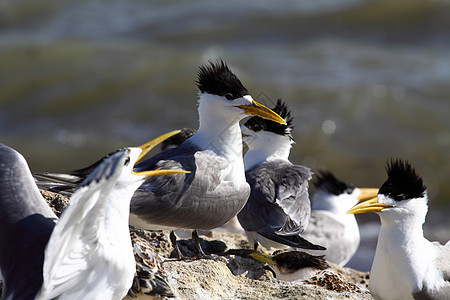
267,258
367,193
150,145
159,172
371,205
260,110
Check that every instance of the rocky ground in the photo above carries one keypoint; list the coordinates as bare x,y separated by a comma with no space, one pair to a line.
232,273
235,275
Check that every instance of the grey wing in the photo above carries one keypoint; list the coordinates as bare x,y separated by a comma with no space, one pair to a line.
201,199
323,227
279,198
26,223
442,263
293,198
325,230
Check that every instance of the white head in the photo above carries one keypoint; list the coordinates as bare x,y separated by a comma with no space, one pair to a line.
337,196
266,139
223,98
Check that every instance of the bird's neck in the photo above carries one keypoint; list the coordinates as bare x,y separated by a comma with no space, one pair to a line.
401,240
219,129
405,223
265,147
117,212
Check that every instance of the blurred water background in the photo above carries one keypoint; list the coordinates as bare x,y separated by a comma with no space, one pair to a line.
366,81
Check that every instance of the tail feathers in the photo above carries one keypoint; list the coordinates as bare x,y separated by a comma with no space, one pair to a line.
60,178
64,184
295,241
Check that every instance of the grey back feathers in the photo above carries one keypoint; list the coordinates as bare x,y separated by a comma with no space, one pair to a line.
169,200
278,207
26,223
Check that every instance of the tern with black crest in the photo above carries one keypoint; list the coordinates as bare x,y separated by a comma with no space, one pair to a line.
406,265
278,209
215,190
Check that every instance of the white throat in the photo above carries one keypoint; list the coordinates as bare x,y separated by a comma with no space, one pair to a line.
266,146
219,129
401,240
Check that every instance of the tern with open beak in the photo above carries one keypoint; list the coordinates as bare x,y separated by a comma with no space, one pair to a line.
87,253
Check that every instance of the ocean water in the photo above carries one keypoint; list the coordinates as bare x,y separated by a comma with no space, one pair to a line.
365,80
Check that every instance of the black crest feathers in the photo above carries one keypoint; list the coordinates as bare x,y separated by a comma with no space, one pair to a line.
178,138
403,182
217,79
325,180
257,123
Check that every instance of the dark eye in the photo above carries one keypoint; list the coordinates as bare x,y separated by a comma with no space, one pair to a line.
229,96
127,161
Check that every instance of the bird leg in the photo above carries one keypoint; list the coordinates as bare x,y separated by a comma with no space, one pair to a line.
255,245
173,240
198,247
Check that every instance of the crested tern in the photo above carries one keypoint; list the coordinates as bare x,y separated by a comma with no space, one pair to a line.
329,224
293,265
216,189
406,265
82,253
278,209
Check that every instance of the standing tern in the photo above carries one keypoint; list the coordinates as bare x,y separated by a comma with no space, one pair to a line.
215,190
329,224
406,265
87,253
278,208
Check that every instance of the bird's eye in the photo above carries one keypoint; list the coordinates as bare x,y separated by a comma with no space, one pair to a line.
229,96
127,161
